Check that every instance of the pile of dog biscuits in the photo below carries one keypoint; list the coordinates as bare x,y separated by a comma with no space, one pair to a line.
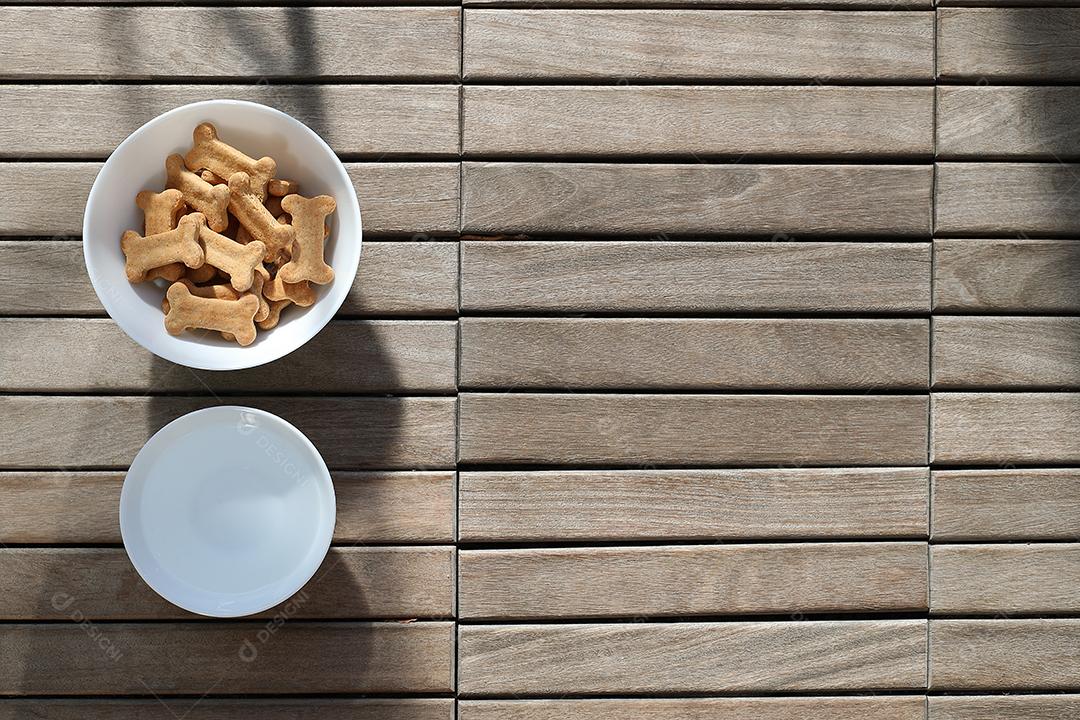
237,244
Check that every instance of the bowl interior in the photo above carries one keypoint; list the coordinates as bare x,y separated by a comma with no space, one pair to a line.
139,164
237,532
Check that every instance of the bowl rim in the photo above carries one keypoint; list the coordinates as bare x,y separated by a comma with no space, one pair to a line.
323,541
253,359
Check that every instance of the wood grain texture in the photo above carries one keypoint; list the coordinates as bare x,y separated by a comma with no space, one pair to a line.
1004,707
416,507
48,198
89,121
104,432
620,354
48,277
1006,352
1006,276
1007,3
789,708
417,198
1008,44
735,4
638,658
697,44
233,709
819,122
348,356
1006,504
997,579
983,428
692,505
998,655
98,43
352,583
685,580
206,658
650,277
690,430
1007,199
1007,122
75,507
745,199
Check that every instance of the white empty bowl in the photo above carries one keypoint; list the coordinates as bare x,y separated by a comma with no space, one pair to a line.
139,164
227,511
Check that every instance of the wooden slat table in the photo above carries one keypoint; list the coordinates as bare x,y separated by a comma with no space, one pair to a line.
708,359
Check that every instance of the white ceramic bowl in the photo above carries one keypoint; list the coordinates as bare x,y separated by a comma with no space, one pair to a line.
139,164
240,529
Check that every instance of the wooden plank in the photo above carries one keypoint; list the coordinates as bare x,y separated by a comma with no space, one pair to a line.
820,122
48,277
1006,3
692,505
98,43
1008,44
692,430
103,432
225,658
983,428
1006,504
999,579
697,44
80,507
1007,199
685,580
650,277
92,355
405,278
352,583
417,507
639,658
1006,276
1033,123
683,354
375,120
998,655
743,199
1006,352
234,709
417,198
1004,707
763,708
48,198
780,4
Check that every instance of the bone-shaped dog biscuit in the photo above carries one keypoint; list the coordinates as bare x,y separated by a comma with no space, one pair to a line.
171,272
308,218
236,317
221,292
153,251
273,204
301,293
211,200
160,214
256,219
280,188
212,178
200,275
283,218
236,260
161,211
271,321
262,276
223,159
